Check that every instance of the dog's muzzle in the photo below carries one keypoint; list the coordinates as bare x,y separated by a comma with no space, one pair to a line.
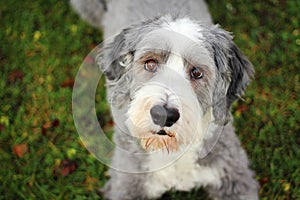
164,116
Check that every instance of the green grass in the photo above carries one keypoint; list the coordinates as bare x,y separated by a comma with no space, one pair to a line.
42,46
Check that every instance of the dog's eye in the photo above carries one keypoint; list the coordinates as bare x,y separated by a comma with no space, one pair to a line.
196,73
151,65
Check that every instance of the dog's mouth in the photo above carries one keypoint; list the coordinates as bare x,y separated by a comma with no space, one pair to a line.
162,132
160,140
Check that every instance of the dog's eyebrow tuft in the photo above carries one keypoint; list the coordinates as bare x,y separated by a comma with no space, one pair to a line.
160,55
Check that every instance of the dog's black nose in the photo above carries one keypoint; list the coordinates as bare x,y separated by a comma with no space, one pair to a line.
164,116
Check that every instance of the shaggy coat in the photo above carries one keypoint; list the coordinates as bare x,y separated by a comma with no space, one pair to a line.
192,72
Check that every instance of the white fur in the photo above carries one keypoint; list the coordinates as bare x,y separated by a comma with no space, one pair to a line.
175,63
162,90
186,27
184,174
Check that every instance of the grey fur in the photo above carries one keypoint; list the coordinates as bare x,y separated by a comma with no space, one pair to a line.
122,13
238,181
90,10
232,75
234,68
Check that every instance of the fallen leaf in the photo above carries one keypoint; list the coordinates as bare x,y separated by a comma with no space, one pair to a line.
264,95
108,126
242,108
68,83
91,182
49,125
15,75
65,168
20,149
1,127
264,180
45,127
55,123
68,167
65,171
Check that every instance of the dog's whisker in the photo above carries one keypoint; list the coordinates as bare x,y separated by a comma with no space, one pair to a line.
146,144
166,145
149,142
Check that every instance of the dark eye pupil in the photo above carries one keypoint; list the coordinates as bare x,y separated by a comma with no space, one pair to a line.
150,65
196,73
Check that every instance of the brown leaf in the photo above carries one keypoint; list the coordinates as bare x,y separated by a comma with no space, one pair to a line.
91,182
68,167
264,180
1,127
108,126
55,123
242,108
49,125
20,149
15,75
45,127
264,95
68,83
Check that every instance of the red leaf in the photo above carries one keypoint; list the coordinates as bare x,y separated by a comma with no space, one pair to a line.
55,123
15,75
20,149
65,171
108,126
264,180
242,108
49,125
67,83
66,167
1,127
45,127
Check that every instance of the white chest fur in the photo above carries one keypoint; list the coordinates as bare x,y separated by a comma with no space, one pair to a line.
183,174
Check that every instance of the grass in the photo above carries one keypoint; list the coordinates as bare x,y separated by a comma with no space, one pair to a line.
42,47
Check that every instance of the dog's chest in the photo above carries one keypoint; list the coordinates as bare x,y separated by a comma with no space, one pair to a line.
183,174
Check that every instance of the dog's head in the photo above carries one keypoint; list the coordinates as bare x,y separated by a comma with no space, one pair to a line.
173,77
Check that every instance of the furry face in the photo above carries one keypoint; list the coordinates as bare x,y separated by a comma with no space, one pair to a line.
173,83
185,78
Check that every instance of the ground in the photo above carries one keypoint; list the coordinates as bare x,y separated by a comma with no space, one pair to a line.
42,46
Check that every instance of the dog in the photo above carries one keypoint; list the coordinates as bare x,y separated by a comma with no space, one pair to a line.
171,79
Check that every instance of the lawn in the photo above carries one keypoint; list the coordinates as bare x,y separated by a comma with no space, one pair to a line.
42,46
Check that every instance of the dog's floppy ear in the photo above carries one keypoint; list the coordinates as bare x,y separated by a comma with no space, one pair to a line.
118,53
115,56
235,71
241,73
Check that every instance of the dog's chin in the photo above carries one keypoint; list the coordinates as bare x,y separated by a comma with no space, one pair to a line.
161,140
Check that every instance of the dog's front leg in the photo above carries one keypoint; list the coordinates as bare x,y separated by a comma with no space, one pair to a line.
126,171
124,186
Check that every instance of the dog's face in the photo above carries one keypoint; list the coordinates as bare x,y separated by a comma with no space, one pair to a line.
173,78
